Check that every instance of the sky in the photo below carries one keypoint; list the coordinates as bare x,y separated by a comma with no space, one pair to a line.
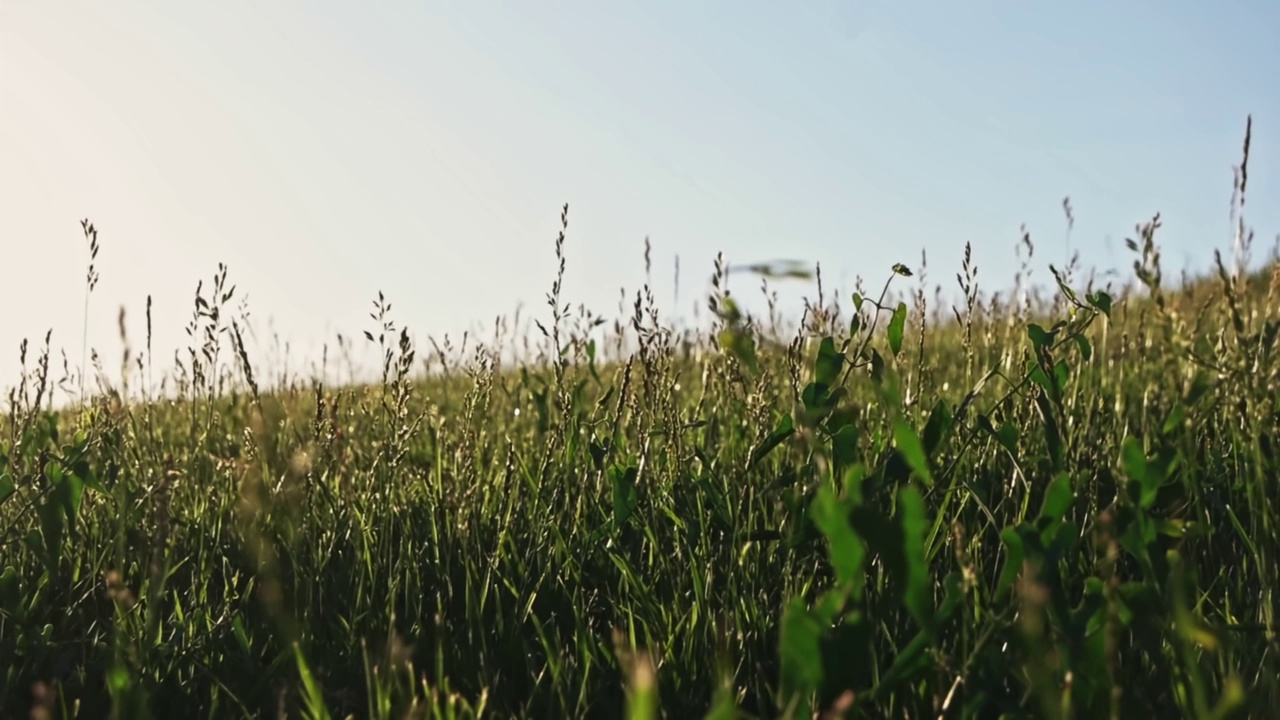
328,151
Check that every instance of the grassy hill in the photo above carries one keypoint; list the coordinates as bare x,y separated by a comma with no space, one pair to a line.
1059,508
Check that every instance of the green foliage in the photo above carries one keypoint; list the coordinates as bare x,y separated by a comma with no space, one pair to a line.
721,523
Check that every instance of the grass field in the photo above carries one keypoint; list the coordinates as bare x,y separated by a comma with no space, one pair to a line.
1058,507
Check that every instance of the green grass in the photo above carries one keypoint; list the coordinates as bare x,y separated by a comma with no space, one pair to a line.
1060,508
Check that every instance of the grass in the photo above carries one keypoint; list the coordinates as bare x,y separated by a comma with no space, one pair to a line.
1063,506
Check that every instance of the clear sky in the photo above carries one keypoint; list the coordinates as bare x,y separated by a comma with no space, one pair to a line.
328,150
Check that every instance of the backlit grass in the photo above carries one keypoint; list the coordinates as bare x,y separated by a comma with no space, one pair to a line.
1062,505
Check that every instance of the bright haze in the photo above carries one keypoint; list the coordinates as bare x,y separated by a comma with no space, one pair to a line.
326,151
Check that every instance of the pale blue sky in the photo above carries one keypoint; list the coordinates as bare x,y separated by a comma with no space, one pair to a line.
329,150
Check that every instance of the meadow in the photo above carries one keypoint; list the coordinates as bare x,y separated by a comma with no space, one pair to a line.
1055,504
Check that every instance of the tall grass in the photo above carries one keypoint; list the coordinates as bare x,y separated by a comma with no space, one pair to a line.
1049,505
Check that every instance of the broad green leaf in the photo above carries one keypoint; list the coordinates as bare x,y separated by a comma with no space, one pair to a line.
1101,301
1007,435
1039,338
91,482
69,491
625,497
1177,416
1086,350
1137,470
840,415
814,396
828,607
853,478
897,325
908,443
938,427
826,367
845,548
1038,376
53,471
891,389
877,366
1013,561
844,447
1058,498
1061,375
784,430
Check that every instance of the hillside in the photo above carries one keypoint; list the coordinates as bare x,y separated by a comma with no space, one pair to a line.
1066,509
